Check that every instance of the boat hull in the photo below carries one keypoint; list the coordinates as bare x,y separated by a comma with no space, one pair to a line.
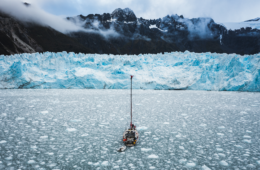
130,140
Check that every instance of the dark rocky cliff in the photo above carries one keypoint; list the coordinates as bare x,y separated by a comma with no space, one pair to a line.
121,32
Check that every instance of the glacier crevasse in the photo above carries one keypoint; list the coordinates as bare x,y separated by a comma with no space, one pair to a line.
168,71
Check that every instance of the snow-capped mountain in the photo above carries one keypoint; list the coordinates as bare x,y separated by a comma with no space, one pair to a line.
253,20
248,24
125,22
122,32
123,15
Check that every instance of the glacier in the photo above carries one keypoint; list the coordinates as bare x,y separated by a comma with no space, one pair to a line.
168,71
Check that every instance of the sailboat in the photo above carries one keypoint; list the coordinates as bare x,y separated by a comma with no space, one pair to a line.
130,136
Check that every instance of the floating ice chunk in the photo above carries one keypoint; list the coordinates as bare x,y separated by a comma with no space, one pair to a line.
152,167
166,123
222,155
119,161
43,137
75,120
203,125
52,165
71,129
191,141
146,149
246,137
182,161
220,134
239,146
258,162
2,141
190,165
153,156
105,163
181,147
3,114
248,131
142,128
131,165
44,112
34,147
247,140
250,166
19,118
104,123
178,136
90,163
9,158
31,162
219,149
223,163
221,127
204,167
155,138
85,134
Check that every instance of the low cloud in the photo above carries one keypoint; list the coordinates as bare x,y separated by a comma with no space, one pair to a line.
198,28
35,14
219,10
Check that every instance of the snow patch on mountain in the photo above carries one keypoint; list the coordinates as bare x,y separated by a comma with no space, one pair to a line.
176,70
154,26
239,25
256,19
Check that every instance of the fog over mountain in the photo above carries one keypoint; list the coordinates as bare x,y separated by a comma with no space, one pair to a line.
28,28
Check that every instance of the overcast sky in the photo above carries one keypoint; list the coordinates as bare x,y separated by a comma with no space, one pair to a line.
219,10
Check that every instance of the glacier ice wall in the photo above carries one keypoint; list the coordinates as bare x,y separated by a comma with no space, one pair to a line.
176,70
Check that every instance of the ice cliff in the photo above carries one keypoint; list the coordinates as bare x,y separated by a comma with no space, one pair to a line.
176,70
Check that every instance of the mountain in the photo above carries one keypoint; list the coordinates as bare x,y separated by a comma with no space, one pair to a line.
17,37
256,19
121,32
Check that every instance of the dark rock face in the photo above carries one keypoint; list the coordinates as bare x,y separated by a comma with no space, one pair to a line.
26,4
253,20
121,32
123,15
177,32
17,37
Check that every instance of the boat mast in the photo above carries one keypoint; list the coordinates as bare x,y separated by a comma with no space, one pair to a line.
131,100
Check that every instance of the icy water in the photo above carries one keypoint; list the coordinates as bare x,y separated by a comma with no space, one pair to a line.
81,129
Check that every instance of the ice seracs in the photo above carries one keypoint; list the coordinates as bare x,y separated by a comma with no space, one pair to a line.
168,71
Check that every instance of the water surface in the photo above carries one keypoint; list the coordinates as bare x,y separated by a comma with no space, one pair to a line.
81,129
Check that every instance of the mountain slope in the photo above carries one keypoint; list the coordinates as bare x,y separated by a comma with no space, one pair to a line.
18,37
121,32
